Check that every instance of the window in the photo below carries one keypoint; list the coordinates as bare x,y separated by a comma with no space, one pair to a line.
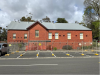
14,36
81,35
56,35
25,36
36,33
50,35
69,35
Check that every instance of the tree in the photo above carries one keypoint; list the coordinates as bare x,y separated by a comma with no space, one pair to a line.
95,30
81,23
26,19
3,34
29,18
47,19
0,33
93,4
91,12
61,20
91,16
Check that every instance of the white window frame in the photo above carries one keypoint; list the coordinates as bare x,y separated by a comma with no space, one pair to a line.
14,36
68,35
36,32
49,35
56,36
81,35
25,36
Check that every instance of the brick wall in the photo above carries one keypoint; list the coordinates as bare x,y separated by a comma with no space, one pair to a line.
43,35
19,36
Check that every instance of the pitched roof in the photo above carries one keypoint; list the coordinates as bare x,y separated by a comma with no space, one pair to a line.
55,26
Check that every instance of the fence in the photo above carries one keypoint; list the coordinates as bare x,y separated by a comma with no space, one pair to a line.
13,46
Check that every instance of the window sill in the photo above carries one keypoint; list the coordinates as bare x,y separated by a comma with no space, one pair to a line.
25,39
36,36
81,39
69,39
56,39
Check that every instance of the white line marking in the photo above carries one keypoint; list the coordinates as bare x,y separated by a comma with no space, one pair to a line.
14,65
85,55
53,53
38,53
44,64
29,65
68,53
23,54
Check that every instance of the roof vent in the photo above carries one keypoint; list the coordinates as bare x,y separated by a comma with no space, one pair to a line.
52,21
14,20
40,21
18,21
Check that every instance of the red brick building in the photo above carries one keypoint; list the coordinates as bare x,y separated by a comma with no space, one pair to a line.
48,32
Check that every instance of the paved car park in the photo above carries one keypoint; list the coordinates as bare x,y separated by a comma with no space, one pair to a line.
49,54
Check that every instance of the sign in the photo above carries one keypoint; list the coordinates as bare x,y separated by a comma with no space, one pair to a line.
80,44
9,44
39,44
99,44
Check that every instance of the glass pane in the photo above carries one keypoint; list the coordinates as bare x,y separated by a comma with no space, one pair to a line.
69,37
56,34
69,33
14,34
37,33
81,34
50,37
50,33
56,37
81,37
25,35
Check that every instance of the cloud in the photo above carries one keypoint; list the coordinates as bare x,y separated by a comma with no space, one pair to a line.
4,19
71,10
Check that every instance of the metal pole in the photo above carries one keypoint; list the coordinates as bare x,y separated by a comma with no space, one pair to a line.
96,46
82,47
67,45
37,45
74,45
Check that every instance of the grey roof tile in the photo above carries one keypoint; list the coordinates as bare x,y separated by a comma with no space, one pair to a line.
57,26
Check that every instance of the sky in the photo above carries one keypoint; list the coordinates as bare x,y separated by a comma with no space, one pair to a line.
10,10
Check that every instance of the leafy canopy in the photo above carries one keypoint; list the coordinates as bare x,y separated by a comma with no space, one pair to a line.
61,20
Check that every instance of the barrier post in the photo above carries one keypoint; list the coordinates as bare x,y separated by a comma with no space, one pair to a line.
51,48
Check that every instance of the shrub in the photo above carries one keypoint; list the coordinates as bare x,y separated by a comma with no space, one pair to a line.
55,48
20,45
87,47
67,47
94,44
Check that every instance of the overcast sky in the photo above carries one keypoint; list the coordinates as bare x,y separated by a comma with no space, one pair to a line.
71,10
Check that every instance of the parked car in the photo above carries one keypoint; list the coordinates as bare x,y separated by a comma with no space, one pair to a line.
3,48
